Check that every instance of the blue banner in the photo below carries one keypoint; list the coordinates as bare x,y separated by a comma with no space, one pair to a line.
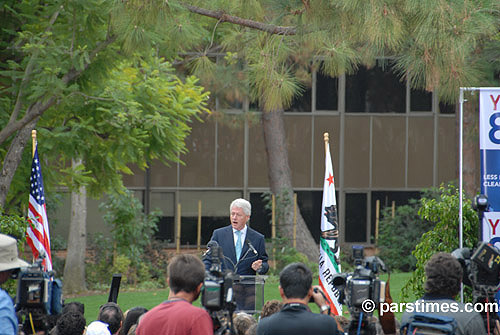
489,144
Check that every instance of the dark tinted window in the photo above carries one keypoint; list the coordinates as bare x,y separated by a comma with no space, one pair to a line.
326,92
375,90
301,102
445,108
420,101
355,217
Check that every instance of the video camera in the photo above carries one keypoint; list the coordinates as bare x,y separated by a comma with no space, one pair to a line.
39,295
481,271
361,285
217,294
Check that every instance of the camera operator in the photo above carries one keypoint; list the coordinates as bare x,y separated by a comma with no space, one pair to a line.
9,262
295,317
177,315
443,278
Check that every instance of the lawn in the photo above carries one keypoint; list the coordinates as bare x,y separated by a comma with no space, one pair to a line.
129,298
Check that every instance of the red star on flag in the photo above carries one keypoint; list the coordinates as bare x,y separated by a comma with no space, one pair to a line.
330,179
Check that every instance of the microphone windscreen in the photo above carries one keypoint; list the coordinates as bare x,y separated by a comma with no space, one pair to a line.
212,244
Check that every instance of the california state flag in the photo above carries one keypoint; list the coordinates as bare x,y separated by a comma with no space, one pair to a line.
329,252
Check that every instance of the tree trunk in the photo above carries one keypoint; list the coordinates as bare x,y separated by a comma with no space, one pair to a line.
471,159
13,158
280,181
74,268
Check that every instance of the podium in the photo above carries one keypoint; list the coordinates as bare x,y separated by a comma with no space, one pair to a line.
249,293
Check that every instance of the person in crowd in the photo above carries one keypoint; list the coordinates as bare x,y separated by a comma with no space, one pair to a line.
243,321
70,323
111,314
109,320
177,315
132,330
252,330
443,280
9,263
70,307
295,317
244,248
131,317
75,307
270,307
97,328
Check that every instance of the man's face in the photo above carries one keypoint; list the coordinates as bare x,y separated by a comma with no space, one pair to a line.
238,218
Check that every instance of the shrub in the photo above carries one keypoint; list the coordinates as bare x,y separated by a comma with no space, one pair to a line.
400,234
285,254
443,212
129,249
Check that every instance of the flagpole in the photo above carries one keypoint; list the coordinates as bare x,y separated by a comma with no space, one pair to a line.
327,139
33,136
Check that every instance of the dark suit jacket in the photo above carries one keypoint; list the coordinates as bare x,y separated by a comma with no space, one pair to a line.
224,237
297,319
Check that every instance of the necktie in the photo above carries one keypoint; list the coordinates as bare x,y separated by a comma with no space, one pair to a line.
238,245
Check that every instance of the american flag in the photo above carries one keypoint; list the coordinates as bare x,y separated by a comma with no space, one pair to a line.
37,234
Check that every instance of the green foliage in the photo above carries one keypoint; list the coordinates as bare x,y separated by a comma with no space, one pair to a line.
121,108
132,230
398,236
131,249
15,226
285,254
443,212
140,113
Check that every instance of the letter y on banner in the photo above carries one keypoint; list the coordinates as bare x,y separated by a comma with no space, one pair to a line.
489,145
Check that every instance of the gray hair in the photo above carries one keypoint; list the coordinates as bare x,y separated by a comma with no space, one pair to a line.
243,204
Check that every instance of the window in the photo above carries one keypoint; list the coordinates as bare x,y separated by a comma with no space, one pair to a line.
386,198
445,108
301,102
375,90
309,203
355,217
327,89
420,101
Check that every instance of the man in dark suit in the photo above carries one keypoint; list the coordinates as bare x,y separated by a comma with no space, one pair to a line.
244,252
295,316
244,248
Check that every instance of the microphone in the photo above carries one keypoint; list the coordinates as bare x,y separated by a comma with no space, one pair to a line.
212,244
250,245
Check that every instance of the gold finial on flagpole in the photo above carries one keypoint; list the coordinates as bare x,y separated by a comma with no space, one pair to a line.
33,136
326,137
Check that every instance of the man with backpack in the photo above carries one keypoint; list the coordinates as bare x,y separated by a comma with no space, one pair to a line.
438,310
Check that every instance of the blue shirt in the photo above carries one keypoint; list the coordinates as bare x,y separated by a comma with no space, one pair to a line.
8,319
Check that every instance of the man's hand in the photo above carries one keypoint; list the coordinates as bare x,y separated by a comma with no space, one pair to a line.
318,296
257,264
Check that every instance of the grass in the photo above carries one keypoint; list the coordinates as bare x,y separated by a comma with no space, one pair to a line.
148,299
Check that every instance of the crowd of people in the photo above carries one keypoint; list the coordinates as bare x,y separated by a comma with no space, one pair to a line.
185,277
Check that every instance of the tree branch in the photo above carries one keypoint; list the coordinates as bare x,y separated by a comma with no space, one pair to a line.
223,17
37,108
29,70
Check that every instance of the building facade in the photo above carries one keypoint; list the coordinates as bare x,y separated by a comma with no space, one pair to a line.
388,142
